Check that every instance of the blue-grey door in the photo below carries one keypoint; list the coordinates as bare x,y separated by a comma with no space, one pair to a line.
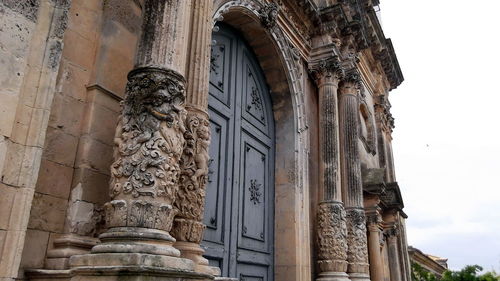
239,211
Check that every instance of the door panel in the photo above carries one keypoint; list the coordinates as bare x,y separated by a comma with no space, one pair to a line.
239,212
254,187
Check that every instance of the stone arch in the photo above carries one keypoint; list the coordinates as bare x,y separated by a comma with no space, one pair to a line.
283,71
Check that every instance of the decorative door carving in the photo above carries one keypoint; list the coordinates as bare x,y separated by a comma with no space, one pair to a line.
239,211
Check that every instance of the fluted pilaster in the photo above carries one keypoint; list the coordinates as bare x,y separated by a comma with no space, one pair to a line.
351,178
164,35
392,244
332,246
373,221
198,66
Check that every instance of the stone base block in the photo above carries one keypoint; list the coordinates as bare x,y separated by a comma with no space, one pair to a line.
57,263
359,277
48,275
65,246
123,267
194,252
125,260
333,276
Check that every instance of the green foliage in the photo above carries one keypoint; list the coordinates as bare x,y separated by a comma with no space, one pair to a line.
470,273
418,273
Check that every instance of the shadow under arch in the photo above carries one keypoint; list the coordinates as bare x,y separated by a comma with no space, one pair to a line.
282,67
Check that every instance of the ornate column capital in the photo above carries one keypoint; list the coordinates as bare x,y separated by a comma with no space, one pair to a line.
391,232
373,219
327,70
351,83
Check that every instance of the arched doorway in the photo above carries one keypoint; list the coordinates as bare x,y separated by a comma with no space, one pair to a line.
239,211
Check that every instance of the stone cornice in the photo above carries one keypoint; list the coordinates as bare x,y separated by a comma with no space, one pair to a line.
392,197
357,19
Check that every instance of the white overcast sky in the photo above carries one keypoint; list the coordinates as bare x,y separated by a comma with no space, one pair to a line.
447,135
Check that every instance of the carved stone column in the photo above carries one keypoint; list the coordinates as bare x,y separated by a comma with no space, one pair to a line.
357,255
373,221
332,246
145,176
392,246
188,225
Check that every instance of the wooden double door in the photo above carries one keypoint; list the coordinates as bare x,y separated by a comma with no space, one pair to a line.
239,211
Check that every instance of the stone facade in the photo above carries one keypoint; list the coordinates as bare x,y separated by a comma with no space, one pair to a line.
105,135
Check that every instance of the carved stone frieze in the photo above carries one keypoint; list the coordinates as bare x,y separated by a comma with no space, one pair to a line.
356,236
149,144
139,213
332,235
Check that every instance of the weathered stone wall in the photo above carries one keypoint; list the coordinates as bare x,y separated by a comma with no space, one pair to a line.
30,50
73,183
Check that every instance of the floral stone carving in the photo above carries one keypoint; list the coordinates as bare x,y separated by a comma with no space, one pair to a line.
190,201
332,233
357,255
149,144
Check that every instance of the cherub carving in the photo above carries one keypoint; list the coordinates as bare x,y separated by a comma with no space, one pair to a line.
201,156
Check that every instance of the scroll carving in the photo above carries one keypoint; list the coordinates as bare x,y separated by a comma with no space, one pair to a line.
149,144
332,234
269,14
352,80
194,175
357,256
